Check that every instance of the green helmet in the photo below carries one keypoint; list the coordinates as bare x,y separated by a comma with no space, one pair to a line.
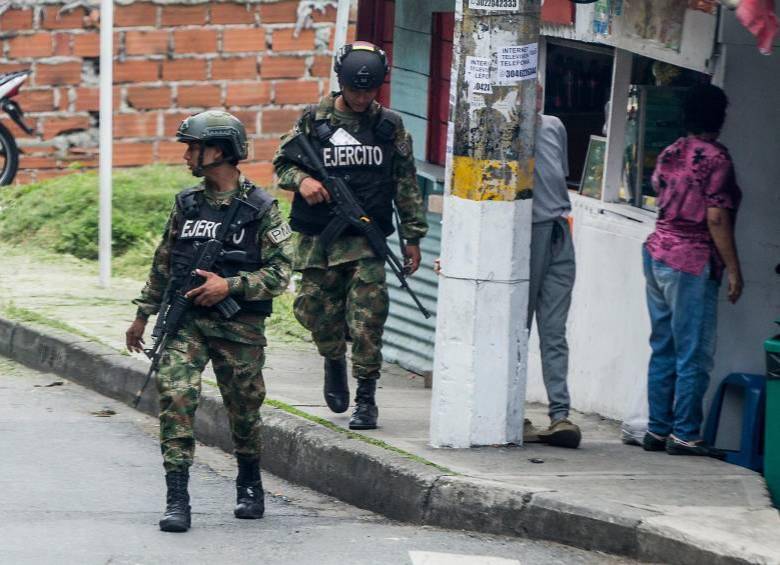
215,125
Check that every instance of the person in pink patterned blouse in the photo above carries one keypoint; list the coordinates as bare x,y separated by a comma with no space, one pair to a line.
684,260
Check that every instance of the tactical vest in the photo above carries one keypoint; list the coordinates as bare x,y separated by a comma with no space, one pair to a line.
364,160
198,221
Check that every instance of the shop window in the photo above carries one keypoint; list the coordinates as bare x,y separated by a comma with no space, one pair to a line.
577,88
376,21
439,86
655,120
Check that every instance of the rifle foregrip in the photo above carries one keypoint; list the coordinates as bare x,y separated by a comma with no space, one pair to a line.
228,308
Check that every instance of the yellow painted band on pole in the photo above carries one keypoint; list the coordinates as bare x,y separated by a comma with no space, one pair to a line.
491,179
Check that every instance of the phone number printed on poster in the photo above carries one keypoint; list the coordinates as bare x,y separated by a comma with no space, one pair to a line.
478,75
517,63
494,5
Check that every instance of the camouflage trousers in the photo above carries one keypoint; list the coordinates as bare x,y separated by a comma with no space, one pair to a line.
349,296
238,367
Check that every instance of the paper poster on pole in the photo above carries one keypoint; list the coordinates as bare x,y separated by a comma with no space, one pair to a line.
478,75
517,63
494,5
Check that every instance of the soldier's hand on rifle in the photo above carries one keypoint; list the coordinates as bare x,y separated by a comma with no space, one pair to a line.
213,290
134,336
411,258
313,192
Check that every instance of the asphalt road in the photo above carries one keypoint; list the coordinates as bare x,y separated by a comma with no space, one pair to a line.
81,482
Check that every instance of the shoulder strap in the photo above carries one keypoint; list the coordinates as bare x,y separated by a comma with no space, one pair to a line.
187,203
260,200
387,125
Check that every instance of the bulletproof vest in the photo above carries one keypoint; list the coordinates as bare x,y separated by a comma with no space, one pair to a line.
198,221
364,160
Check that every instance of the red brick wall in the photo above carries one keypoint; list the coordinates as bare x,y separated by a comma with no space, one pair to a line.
171,60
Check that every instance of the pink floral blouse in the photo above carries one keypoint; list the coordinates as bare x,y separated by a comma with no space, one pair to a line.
690,176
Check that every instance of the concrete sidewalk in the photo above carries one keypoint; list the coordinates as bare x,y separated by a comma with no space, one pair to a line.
603,496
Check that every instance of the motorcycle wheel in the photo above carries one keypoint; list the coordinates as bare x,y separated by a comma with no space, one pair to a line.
9,156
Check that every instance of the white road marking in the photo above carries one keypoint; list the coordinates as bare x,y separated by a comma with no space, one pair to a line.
431,558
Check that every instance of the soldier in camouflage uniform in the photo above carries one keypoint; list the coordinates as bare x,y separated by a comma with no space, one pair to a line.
257,270
343,291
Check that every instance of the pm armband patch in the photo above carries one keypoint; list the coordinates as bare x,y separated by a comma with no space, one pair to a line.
280,233
404,148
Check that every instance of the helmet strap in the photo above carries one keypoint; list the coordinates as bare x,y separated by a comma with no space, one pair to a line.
200,168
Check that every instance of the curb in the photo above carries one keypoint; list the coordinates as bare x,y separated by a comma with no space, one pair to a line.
361,474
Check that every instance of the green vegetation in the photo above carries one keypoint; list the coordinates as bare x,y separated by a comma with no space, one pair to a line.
60,215
19,314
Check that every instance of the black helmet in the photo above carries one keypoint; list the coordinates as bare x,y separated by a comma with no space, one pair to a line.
361,65
214,126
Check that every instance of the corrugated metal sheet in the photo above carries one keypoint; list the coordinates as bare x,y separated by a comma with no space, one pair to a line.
409,337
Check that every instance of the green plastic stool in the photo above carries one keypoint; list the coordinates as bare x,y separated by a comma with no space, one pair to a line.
772,422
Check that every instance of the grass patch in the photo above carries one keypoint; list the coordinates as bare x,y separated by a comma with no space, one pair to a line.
19,314
60,217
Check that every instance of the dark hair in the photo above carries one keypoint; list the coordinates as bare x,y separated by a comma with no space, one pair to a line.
225,147
705,108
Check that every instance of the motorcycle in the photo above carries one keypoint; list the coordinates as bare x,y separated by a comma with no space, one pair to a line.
10,83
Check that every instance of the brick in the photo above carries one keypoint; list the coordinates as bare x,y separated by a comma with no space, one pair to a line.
36,100
87,99
278,121
51,173
37,162
184,69
242,40
16,131
236,68
129,154
35,45
57,73
53,127
136,71
248,118
140,124
87,45
170,152
136,14
51,19
11,67
16,20
285,40
297,92
248,94
146,42
201,96
282,67
172,121
279,13
321,66
184,15
261,174
195,41
149,97
231,13
24,177
264,149
62,44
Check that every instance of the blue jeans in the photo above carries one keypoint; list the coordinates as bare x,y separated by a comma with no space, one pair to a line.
683,314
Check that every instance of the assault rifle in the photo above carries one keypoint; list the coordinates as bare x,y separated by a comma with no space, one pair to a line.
175,304
348,212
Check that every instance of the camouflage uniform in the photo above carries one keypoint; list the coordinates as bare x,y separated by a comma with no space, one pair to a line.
235,347
344,287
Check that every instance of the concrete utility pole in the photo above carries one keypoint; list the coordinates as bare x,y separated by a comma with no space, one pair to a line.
481,340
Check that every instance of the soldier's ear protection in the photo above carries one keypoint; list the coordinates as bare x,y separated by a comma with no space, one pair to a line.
338,62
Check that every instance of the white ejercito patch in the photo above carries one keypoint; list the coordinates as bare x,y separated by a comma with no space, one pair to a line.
208,230
342,137
353,156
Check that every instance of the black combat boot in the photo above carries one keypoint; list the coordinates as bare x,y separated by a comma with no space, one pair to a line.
177,511
250,499
365,414
336,386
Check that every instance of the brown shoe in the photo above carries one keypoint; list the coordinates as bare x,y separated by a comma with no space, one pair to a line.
530,433
562,433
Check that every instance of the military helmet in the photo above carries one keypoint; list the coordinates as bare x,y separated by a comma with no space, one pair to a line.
215,125
361,65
